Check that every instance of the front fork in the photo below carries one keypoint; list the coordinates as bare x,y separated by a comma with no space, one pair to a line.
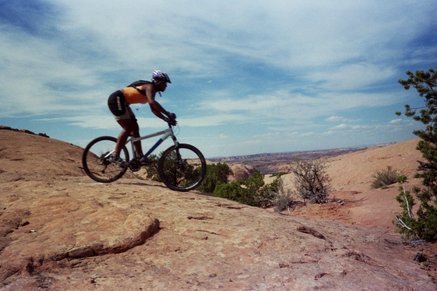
176,145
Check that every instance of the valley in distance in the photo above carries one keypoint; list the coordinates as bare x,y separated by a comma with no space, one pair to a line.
272,163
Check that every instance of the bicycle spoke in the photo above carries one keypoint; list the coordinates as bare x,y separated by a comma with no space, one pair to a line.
182,168
96,162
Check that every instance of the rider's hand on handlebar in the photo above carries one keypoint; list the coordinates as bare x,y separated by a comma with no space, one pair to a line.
172,119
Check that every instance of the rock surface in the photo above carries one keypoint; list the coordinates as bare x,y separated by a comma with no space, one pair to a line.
62,231
240,172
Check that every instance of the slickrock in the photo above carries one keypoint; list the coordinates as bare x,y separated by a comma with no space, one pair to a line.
66,232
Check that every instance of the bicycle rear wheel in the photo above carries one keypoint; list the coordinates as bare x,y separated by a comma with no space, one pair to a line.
96,160
182,168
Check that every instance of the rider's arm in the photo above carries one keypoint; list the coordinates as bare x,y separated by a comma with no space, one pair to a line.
158,110
155,107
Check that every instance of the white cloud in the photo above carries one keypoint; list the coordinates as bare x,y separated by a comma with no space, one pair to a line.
108,122
99,38
353,76
344,126
281,33
89,122
282,105
396,121
336,118
341,126
36,78
212,120
279,65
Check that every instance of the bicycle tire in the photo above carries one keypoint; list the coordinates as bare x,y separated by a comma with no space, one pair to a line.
182,168
99,168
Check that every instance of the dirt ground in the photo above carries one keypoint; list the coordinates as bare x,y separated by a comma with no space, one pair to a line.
353,200
60,230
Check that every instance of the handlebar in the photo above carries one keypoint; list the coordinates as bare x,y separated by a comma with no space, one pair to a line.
171,120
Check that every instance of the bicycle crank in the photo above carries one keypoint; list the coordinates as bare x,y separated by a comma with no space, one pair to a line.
135,165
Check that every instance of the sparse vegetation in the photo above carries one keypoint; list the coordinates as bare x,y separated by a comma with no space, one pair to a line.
312,182
216,182
216,174
386,177
266,195
422,224
251,190
234,191
282,199
152,170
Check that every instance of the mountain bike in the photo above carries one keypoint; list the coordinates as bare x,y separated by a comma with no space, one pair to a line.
181,167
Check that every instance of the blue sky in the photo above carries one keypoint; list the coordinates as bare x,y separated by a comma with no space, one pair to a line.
247,76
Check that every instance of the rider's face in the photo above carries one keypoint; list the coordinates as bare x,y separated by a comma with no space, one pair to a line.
160,86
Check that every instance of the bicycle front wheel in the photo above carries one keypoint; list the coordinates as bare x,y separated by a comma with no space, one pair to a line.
96,160
182,167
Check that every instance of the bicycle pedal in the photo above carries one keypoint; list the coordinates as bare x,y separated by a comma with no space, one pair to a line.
134,165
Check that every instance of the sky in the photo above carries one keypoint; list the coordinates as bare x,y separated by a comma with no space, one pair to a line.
247,77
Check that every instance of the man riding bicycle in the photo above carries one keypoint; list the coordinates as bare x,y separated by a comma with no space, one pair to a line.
138,92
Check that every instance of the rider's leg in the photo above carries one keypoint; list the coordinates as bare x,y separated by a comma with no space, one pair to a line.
130,127
123,115
124,134
136,133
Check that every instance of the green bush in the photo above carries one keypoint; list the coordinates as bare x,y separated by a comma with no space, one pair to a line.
252,191
385,177
234,191
265,196
244,191
216,174
422,224
254,182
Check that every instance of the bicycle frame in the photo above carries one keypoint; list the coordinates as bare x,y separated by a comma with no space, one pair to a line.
165,134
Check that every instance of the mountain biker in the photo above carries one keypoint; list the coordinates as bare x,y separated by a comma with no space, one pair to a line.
137,92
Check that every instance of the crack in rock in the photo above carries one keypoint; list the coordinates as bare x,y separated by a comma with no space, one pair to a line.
99,249
313,232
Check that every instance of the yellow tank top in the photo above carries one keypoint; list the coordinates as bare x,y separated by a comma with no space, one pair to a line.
132,96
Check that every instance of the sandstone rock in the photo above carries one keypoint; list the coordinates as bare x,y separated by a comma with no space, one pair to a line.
60,230
240,172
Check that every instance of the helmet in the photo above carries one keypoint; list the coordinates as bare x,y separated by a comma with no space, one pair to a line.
160,76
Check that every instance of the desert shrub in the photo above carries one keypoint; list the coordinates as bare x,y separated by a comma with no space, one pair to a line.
385,177
253,191
152,170
283,197
254,182
274,195
266,195
422,224
283,201
419,225
243,191
216,174
234,191
312,182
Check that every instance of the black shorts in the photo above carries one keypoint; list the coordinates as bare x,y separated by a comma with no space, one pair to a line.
118,106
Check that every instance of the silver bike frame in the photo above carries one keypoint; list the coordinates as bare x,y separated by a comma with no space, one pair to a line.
164,135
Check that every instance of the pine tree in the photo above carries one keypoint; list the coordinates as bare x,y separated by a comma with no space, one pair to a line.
424,224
